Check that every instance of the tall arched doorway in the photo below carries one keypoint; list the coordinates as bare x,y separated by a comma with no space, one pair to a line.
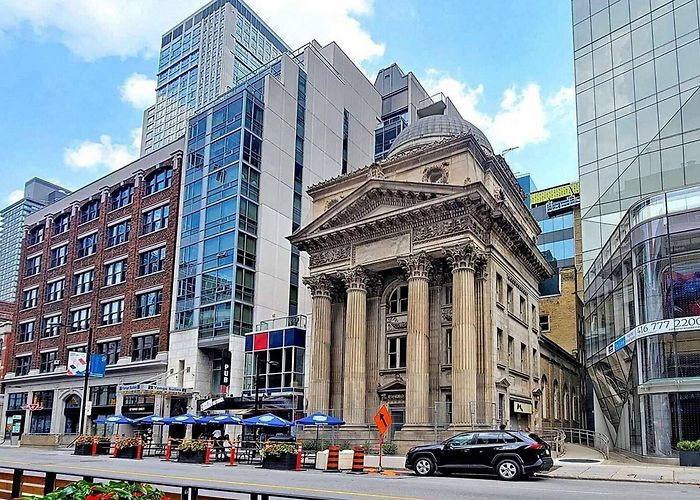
71,413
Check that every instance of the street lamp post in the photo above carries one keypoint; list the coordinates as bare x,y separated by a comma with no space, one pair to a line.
86,381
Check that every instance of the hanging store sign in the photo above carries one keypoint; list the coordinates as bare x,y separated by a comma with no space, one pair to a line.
225,368
654,328
520,407
152,390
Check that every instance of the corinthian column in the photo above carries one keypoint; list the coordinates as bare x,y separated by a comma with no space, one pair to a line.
320,369
463,260
354,370
417,268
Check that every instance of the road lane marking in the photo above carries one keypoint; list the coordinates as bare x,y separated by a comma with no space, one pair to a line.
218,481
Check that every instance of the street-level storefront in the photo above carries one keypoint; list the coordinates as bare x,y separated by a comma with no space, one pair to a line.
642,319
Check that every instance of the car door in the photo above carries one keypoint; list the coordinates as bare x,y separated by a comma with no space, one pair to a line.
457,451
487,445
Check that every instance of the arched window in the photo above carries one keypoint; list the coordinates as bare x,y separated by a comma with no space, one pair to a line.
35,235
122,196
566,403
574,406
555,391
398,300
158,180
90,210
545,397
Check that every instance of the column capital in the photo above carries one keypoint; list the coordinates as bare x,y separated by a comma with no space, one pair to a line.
320,285
356,278
416,265
466,256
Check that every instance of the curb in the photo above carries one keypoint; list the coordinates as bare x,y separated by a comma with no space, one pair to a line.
691,483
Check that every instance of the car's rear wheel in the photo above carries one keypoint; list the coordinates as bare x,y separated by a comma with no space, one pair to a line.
508,469
424,466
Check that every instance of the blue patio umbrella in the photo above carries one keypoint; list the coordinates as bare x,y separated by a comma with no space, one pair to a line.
185,419
319,419
152,419
223,419
267,420
114,419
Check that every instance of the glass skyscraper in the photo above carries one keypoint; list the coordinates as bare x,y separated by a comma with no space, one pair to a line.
637,66
37,194
201,58
251,155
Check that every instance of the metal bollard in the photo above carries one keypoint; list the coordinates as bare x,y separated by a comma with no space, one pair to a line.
116,446
207,455
139,449
232,458
168,450
94,446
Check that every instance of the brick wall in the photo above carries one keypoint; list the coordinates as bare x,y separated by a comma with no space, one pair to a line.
133,283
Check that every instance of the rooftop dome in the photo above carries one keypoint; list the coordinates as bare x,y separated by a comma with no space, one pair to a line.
434,128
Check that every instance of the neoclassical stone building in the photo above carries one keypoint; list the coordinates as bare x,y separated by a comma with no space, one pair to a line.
423,273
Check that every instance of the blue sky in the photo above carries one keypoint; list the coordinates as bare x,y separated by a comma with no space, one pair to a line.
77,73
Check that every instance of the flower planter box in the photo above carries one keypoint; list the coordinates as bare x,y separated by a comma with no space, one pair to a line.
129,452
689,458
286,461
191,457
86,449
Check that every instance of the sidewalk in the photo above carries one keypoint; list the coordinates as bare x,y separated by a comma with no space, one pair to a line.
617,468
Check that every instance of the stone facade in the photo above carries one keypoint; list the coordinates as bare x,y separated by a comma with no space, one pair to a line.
424,276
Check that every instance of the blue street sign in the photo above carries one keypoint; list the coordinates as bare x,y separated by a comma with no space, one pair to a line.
98,365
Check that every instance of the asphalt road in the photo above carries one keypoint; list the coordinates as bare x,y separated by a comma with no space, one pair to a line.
340,485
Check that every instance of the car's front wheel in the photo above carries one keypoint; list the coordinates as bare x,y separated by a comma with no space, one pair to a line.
508,469
424,466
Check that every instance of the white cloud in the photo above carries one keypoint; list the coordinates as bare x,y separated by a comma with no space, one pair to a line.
90,155
299,21
125,28
15,196
522,117
99,28
139,91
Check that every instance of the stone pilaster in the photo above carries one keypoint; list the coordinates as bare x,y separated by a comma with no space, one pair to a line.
417,268
485,411
463,260
354,369
320,362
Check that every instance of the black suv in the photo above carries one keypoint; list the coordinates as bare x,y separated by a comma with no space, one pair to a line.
510,454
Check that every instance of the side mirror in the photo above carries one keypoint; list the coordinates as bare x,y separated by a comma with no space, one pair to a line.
449,445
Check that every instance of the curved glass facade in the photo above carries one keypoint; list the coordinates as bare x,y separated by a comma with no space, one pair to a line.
642,324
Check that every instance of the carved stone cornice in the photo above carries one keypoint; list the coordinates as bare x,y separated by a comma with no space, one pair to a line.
417,266
319,285
465,256
450,226
357,278
329,255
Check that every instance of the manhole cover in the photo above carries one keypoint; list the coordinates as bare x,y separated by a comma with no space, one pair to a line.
579,460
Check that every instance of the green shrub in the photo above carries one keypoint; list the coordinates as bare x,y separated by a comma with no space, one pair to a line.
121,490
314,445
389,448
345,445
688,445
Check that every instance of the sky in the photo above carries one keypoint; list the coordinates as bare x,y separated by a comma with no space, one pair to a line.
77,74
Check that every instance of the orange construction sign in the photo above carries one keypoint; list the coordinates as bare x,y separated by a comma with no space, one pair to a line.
383,419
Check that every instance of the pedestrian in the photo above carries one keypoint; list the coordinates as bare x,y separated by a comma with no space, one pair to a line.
218,445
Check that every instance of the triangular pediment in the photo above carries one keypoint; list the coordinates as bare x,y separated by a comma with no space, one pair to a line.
397,385
376,198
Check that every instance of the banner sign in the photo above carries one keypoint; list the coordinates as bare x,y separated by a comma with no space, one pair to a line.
152,390
78,360
76,364
654,328
225,368
98,365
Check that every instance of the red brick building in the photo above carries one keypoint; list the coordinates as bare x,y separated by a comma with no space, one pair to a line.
103,257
